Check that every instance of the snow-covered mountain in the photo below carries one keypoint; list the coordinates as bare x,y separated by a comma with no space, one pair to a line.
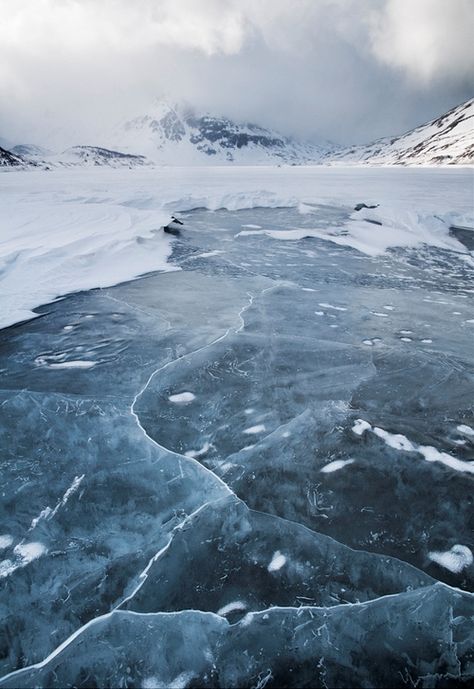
94,155
31,152
84,156
9,159
177,135
447,140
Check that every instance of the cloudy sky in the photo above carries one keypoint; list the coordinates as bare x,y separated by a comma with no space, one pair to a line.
346,70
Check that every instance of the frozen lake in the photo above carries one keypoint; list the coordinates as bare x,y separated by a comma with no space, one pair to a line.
262,463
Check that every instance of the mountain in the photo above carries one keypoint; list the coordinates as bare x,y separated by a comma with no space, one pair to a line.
82,156
30,151
447,140
8,159
177,135
94,155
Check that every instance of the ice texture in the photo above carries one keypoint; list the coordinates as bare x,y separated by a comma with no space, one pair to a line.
282,647
237,493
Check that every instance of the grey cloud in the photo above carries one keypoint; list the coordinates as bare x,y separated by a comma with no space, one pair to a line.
348,70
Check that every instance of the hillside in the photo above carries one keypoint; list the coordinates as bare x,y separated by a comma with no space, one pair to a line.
447,140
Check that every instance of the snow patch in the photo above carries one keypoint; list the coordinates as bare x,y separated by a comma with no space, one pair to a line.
277,562
456,559
181,681
336,465
360,426
24,554
231,607
182,398
254,429
465,430
331,306
401,442
195,454
5,541
48,513
76,363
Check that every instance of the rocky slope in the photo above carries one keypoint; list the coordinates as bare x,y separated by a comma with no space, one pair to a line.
8,159
447,140
177,135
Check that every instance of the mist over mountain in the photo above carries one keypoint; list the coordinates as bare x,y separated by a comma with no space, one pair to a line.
179,135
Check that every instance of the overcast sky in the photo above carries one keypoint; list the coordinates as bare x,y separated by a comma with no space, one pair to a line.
346,70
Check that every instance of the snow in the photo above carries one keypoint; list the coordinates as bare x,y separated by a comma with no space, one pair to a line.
456,559
181,681
445,140
182,398
169,132
195,454
397,441
78,363
48,512
360,426
465,430
277,562
24,553
336,465
231,607
254,429
70,229
5,541
330,306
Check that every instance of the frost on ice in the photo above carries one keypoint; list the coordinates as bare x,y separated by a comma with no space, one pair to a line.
277,562
456,559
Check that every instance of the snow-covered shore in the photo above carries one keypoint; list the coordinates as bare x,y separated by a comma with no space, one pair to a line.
68,230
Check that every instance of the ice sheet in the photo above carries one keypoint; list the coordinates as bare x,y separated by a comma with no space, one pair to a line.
67,230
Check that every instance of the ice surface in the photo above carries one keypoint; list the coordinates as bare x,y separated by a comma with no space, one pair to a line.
426,643
148,540
78,229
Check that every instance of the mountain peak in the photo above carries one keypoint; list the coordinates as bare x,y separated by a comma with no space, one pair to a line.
179,134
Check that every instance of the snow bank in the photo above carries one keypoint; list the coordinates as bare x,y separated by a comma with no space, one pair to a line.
67,230
54,241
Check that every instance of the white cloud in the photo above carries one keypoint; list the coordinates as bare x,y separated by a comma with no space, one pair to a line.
428,39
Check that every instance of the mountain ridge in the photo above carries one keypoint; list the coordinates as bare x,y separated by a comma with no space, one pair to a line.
177,135
445,140
177,132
